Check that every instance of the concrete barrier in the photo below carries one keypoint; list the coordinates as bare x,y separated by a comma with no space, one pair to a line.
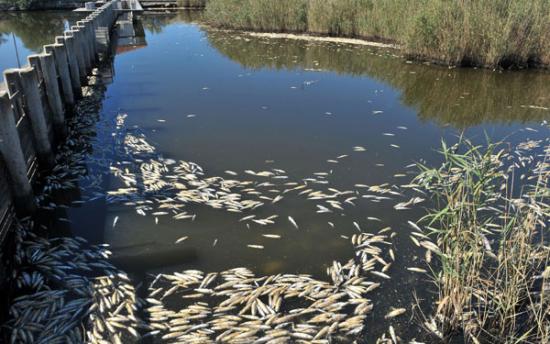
34,104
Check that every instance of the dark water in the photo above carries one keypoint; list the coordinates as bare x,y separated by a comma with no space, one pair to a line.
233,102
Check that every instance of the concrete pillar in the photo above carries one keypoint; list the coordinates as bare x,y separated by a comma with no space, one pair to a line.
103,40
101,16
35,110
88,28
47,67
12,154
59,53
25,81
93,26
80,39
78,53
87,41
92,21
72,63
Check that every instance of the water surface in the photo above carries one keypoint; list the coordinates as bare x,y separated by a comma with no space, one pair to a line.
227,101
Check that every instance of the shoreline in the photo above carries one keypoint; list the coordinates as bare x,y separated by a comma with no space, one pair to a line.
409,57
315,38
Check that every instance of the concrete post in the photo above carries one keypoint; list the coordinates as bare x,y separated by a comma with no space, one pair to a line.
101,17
88,27
80,39
47,66
102,37
12,153
92,22
86,39
72,63
35,110
78,53
59,53
25,81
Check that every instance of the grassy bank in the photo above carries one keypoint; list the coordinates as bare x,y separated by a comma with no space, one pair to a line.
485,33
488,237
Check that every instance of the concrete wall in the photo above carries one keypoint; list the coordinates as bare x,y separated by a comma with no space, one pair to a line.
33,103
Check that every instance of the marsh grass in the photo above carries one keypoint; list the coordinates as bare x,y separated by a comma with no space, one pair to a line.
484,32
489,238
191,3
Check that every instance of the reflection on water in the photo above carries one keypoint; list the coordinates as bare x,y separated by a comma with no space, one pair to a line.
459,97
32,31
156,22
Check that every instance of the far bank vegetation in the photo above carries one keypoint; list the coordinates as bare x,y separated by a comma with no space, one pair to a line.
486,33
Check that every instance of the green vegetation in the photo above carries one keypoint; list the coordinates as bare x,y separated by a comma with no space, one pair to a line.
192,3
486,33
491,243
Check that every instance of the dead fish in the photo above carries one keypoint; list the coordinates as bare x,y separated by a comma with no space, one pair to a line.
181,239
250,217
414,225
277,199
394,313
380,274
293,222
392,334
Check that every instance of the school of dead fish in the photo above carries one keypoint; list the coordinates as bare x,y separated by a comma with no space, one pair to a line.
236,306
73,294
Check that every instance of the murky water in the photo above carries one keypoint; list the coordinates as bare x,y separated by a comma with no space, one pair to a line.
234,102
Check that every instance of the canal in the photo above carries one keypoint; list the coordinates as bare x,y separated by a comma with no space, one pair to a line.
208,141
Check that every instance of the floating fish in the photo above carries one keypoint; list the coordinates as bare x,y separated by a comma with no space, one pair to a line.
181,239
258,247
293,222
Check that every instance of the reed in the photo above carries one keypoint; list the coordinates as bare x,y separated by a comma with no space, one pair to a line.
192,3
489,236
486,33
